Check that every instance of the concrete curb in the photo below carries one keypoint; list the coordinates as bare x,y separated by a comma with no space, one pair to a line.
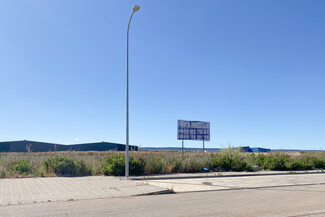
222,175
167,191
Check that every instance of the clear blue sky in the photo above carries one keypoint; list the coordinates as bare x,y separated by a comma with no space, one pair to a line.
254,69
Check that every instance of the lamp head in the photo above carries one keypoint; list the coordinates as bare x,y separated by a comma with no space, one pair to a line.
135,8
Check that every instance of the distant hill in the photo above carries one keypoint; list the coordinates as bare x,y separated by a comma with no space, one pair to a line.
294,150
177,149
213,149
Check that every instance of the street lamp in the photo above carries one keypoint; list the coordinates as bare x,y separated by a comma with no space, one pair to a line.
135,9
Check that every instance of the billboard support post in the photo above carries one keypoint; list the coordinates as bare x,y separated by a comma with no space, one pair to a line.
182,148
203,146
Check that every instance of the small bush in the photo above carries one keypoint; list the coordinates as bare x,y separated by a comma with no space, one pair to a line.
66,166
305,163
115,165
3,174
137,165
22,167
154,164
40,173
191,165
295,164
229,160
276,161
319,163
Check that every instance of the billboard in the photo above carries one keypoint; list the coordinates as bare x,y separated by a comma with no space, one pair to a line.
193,130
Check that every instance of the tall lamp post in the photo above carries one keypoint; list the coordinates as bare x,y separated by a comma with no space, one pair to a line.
135,9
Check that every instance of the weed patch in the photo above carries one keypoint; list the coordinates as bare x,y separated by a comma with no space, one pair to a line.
65,166
22,167
148,163
229,160
115,165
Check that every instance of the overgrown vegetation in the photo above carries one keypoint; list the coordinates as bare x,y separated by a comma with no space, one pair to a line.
115,165
283,161
22,167
148,163
233,160
66,166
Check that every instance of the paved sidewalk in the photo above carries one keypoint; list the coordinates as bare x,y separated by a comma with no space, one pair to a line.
223,174
34,190
187,184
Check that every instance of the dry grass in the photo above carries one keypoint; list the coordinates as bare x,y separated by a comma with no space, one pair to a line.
166,162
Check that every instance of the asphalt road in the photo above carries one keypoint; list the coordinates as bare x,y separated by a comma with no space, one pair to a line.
292,201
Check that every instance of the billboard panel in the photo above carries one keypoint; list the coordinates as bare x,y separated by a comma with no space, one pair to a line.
193,130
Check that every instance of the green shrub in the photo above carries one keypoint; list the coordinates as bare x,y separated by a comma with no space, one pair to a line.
319,163
22,167
65,166
191,164
40,173
295,164
115,165
306,162
137,165
154,164
3,174
278,161
229,160
170,164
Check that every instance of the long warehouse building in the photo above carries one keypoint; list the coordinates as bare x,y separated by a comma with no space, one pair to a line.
32,146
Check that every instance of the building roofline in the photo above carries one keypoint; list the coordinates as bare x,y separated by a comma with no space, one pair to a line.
90,143
25,140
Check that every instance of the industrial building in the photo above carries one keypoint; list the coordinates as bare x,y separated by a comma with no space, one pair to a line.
258,149
32,146
254,150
